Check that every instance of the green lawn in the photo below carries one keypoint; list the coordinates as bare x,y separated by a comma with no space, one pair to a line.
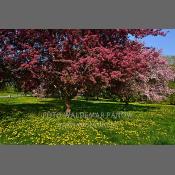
23,120
10,92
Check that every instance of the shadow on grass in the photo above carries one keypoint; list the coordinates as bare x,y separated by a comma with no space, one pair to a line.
56,105
90,106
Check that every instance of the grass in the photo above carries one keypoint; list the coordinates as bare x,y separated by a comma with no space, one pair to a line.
23,120
9,94
9,91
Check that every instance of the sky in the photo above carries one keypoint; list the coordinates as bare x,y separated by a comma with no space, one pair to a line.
166,43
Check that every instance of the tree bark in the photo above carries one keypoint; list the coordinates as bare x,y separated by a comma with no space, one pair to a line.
76,97
68,105
126,103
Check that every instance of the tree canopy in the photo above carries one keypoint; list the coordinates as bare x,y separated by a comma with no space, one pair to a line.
68,62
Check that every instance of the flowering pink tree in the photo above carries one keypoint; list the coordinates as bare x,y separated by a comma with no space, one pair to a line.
157,77
146,74
67,62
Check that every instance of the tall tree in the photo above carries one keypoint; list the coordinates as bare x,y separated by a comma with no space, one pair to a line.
72,61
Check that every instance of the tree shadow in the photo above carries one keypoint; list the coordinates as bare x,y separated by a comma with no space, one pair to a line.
56,105
102,106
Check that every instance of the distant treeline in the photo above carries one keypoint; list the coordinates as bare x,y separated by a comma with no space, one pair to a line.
171,59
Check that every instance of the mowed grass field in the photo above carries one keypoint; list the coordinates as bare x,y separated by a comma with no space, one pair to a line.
23,120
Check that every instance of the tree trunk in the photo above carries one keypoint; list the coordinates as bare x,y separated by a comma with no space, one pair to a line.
86,98
76,97
68,105
126,103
